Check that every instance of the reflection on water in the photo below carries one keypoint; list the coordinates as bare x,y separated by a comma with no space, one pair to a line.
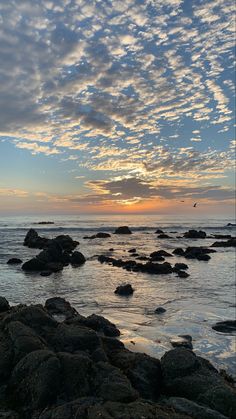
192,305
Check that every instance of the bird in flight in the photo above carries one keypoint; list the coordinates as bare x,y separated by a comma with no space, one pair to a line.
194,205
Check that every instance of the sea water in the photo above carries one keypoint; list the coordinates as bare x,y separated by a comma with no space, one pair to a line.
192,304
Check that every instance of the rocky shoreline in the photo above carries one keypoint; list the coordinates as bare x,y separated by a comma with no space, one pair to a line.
78,368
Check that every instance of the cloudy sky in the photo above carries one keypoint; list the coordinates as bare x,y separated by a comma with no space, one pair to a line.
116,105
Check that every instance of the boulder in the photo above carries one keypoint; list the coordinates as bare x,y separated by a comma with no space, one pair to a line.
73,337
4,305
194,410
66,242
194,234
182,341
34,265
126,289
227,326
6,356
160,310
182,274
77,258
179,251
99,235
58,305
35,380
14,261
181,266
160,253
123,230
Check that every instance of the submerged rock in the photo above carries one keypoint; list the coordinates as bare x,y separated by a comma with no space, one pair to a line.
123,230
126,289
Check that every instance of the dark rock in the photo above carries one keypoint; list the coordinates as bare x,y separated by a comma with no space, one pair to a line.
160,310
158,231
111,249
54,266
66,242
72,338
46,273
123,230
143,371
184,341
194,234
182,274
6,357
160,253
53,253
229,243
102,325
33,240
194,410
124,289
222,236
178,251
45,222
111,384
77,258
163,236
157,268
144,258
34,265
14,261
203,257
132,250
58,305
227,326
155,257
98,236
8,414
4,305
181,266
197,253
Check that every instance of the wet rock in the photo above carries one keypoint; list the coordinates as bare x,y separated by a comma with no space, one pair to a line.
8,414
227,326
33,265
160,253
155,257
58,305
102,325
14,261
33,240
143,258
160,310
53,253
163,236
203,257
132,251
229,243
197,253
143,371
46,273
4,305
111,384
45,222
73,337
222,236
99,235
181,266
184,341
77,258
126,289
179,251
66,242
194,410
111,249
123,230
35,380
6,356
54,266
182,274
194,234
158,231
157,268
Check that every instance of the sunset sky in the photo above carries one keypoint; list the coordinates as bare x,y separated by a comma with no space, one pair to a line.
117,106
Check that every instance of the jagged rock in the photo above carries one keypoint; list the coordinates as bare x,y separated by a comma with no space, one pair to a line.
123,230
194,234
4,305
227,326
124,290
33,240
14,261
77,258
160,310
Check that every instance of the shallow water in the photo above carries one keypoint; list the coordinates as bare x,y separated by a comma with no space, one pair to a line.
192,304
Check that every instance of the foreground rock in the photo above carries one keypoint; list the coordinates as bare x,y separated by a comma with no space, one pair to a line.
123,230
73,370
227,326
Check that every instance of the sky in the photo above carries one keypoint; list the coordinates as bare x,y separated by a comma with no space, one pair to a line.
119,106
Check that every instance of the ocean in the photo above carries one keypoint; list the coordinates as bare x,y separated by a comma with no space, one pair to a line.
192,304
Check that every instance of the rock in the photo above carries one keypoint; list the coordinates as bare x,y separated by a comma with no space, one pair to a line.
124,290
181,266
66,242
222,236
179,251
58,305
194,234
72,338
163,236
160,310
143,371
203,257
111,249
33,265
46,273
6,357
197,253
14,261
53,253
155,257
184,341
111,384
160,253
229,243
45,222
194,410
77,259
98,236
54,266
227,326
102,325
157,268
132,250
123,230
4,305
158,231
8,414
33,240
182,274
35,380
